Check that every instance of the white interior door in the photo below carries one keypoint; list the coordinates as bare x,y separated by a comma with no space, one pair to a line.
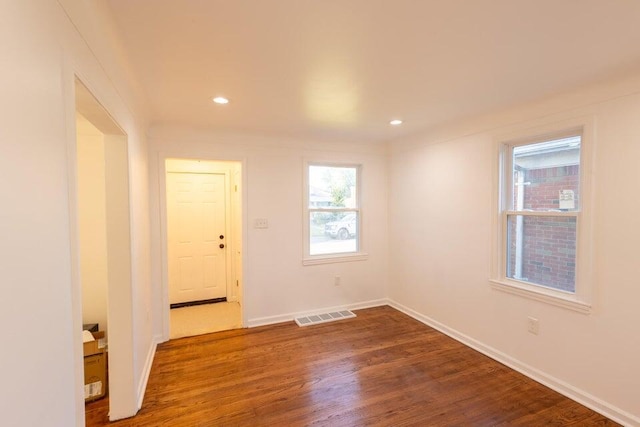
196,236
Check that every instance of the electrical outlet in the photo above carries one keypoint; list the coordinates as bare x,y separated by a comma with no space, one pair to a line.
337,281
533,325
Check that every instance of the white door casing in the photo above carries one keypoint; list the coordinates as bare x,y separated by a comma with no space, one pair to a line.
196,220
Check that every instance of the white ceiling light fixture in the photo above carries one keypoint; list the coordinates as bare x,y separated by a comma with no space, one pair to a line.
395,122
220,100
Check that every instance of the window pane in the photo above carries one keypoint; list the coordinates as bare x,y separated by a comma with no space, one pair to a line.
332,187
333,232
542,250
546,176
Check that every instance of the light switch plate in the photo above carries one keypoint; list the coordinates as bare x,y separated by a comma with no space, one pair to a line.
261,223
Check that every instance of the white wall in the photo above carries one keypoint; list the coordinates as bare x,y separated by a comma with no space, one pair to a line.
92,226
276,284
41,360
441,202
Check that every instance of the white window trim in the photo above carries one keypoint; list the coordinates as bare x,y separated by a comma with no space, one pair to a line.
580,300
359,255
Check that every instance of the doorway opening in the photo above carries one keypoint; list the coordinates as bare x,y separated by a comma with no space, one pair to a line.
203,246
102,254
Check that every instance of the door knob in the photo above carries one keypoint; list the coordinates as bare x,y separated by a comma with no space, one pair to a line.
221,245
221,237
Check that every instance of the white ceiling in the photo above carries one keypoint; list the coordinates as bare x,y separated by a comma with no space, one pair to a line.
341,69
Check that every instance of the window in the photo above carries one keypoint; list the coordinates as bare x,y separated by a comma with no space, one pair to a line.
332,213
541,219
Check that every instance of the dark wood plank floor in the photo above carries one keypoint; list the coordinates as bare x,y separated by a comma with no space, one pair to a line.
380,369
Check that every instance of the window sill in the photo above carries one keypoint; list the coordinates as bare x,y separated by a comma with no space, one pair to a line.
329,259
569,301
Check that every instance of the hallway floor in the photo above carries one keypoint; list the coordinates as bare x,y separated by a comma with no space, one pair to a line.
204,319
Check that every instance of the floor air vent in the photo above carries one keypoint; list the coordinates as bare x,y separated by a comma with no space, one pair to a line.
324,317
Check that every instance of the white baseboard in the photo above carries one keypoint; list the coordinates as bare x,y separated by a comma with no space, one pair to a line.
142,387
270,320
580,396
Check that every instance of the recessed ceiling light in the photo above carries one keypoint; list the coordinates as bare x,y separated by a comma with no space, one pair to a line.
395,122
220,100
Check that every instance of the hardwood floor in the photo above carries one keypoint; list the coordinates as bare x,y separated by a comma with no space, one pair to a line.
382,368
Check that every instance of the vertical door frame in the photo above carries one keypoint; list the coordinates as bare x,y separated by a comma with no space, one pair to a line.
234,216
123,401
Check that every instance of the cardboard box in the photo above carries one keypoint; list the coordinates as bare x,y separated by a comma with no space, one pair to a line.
94,347
95,381
91,327
95,368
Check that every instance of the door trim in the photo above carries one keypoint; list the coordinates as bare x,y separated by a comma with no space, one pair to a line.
240,217
123,400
